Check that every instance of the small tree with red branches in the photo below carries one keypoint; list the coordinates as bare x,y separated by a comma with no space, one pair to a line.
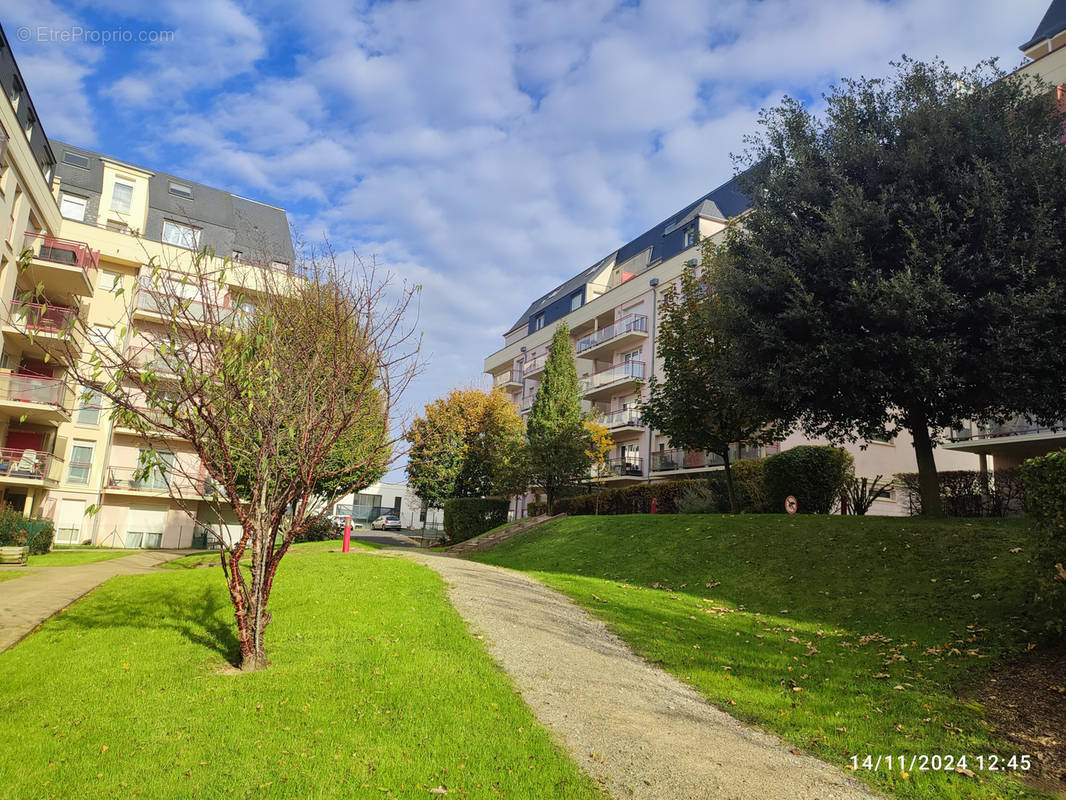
283,385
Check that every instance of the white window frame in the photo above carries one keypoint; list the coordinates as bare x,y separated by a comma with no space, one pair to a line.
576,301
538,322
179,189
95,403
66,199
127,185
91,445
183,233
109,281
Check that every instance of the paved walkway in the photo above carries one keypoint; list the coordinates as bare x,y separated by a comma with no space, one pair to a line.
637,730
28,601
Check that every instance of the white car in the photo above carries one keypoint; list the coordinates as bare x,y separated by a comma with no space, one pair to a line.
386,522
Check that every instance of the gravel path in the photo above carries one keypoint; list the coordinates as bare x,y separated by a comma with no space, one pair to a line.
634,728
31,599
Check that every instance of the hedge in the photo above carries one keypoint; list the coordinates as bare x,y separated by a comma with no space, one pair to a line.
634,499
467,517
320,529
815,475
1044,479
17,530
964,493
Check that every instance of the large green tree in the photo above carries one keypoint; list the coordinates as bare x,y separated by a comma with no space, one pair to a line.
560,444
901,264
697,405
469,443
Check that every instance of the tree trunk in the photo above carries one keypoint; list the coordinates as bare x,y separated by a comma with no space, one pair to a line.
729,482
928,485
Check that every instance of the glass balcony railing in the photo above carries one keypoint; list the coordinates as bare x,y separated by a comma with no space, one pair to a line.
679,459
25,464
625,467
1021,425
156,480
631,323
32,389
42,318
66,252
619,373
508,378
623,418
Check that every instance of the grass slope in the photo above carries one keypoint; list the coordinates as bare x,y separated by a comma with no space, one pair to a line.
376,689
75,558
846,635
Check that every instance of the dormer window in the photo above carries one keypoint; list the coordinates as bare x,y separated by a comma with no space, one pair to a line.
538,322
122,196
76,160
690,236
576,301
180,190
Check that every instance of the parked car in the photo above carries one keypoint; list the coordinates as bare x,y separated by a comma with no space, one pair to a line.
386,522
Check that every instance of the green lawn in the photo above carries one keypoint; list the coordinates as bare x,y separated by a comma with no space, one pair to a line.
74,558
846,635
8,574
376,690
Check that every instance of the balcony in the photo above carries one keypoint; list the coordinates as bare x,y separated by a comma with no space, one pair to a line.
28,467
151,416
1015,440
624,332
512,379
134,480
613,380
622,421
163,307
624,467
35,399
534,366
679,460
526,403
41,330
61,266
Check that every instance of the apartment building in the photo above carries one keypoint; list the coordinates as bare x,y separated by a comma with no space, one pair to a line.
93,224
610,309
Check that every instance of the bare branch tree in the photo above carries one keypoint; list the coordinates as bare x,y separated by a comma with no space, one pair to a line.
283,385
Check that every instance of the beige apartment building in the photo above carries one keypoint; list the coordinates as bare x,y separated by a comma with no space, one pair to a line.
93,224
611,311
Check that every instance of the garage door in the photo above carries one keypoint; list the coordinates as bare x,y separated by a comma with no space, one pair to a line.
145,526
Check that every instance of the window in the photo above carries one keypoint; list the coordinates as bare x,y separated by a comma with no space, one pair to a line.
81,462
110,281
72,207
538,322
690,236
181,235
180,189
101,334
121,196
280,266
89,404
576,301
76,160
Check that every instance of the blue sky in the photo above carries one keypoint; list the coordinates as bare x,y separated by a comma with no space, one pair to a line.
487,150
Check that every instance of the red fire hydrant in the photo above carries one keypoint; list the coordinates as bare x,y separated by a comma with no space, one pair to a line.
347,534
655,505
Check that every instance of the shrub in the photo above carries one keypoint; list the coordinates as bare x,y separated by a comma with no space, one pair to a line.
320,529
634,499
814,474
467,517
699,500
1044,479
19,531
749,484
535,509
963,492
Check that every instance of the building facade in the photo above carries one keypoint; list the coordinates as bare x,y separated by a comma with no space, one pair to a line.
94,225
611,310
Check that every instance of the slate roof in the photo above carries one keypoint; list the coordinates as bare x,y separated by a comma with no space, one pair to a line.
1054,22
723,203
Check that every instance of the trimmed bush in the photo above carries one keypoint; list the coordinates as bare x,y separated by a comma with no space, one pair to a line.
814,475
467,517
536,509
963,492
19,531
634,499
320,529
699,500
1044,479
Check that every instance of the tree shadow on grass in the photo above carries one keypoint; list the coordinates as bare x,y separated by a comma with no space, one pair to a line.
200,614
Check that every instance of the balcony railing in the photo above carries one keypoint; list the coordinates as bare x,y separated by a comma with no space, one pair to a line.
174,306
527,401
32,389
135,479
534,365
677,459
624,418
17,462
626,371
151,418
62,251
625,467
42,318
511,376
631,323
1019,426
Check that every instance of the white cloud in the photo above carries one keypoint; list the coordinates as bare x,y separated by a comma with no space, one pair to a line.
489,151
